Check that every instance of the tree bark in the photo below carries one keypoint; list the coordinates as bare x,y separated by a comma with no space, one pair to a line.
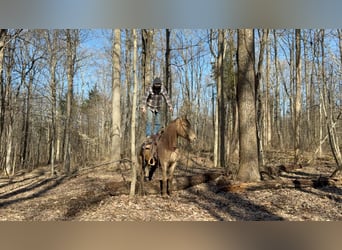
116,90
153,187
52,50
215,105
134,106
298,97
220,99
147,39
72,40
248,150
339,31
168,73
3,40
261,110
235,187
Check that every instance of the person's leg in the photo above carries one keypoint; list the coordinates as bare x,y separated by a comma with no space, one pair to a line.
156,123
149,122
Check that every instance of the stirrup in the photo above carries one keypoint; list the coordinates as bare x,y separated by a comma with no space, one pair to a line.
152,162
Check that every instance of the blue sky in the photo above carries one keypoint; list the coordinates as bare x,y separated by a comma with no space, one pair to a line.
98,45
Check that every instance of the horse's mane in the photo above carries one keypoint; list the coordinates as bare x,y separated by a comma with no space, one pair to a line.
169,136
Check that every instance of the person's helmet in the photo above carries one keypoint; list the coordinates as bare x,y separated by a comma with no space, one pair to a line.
157,82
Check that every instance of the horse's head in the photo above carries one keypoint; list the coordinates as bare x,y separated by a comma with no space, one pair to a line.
185,130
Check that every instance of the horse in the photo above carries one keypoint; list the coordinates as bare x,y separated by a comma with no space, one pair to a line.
164,153
148,156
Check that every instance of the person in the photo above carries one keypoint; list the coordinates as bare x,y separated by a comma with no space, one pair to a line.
151,104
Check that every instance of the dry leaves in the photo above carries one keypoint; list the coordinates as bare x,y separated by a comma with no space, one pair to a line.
37,196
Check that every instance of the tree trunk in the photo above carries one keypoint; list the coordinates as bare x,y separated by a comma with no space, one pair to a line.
261,109
71,43
339,31
147,39
220,99
52,49
134,106
307,141
215,105
26,124
153,187
328,112
168,73
127,105
116,90
53,121
248,150
298,97
268,105
3,39
227,186
277,108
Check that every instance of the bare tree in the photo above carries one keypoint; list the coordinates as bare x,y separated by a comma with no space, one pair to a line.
261,109
116,112
216,105
248,161
298,97
134,107
52,46
168,73
220,98
3,42
147,40
339,32
72,41
328,112
277,108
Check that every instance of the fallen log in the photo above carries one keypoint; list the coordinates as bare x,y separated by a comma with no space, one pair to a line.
153,187
236,187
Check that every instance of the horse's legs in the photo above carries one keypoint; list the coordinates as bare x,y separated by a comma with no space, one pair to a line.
170,180
152,170
141,174
146,171
164,179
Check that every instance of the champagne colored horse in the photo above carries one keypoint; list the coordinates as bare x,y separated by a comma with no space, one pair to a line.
166,152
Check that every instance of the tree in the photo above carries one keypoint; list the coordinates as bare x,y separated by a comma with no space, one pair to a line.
219,114
298,97
328,112
147,40
248,151
116,109
168,73
52,47
277,109
134,106
72,41
260,109
220,98
3,42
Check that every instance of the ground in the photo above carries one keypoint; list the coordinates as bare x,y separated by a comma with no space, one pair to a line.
36,196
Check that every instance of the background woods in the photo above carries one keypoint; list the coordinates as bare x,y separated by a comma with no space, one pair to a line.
69,97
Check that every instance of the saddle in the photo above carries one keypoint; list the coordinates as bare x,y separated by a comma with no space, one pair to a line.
149,148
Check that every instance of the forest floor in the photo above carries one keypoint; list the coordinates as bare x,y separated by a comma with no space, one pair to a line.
36,196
